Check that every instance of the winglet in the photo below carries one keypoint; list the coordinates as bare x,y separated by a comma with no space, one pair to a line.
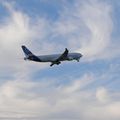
66,49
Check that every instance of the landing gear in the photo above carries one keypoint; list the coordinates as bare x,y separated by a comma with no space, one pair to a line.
57,63
51,64
78,60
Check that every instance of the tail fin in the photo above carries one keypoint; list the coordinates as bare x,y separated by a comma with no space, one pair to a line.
26,51
29,55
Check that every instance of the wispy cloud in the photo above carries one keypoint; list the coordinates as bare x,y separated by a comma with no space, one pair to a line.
24,98
18,29
97,18
85,27
88,26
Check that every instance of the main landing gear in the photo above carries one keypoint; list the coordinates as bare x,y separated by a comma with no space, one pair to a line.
78,60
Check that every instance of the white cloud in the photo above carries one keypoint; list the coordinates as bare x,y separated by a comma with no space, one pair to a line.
44,100
17,29
114,109
88,26
79,84
97,18
102,95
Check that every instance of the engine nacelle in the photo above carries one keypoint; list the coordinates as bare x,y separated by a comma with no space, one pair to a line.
58,62
70,58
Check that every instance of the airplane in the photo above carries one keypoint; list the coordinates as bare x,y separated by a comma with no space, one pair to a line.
54,59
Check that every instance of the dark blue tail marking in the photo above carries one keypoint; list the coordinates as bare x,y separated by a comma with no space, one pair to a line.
29,55
26,51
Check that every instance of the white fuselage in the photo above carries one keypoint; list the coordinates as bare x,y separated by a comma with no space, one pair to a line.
54,59
51,58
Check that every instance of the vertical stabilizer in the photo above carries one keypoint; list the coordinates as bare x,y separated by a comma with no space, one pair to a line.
26,51
29,55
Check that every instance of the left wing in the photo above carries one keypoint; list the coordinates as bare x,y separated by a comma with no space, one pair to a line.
62,57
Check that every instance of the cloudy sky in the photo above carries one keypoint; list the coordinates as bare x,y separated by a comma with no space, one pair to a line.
86,90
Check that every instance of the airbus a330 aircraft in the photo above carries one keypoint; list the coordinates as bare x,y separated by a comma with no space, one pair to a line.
54,59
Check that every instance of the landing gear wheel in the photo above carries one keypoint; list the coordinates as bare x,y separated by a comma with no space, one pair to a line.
58,63
78,60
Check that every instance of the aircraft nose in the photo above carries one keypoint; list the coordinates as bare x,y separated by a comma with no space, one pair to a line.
81,55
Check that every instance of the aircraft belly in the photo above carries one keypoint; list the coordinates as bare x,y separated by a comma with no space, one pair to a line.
48,59
52,58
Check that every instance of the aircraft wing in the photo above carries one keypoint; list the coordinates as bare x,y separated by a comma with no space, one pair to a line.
62,57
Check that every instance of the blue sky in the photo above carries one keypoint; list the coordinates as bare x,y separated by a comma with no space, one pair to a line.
72,90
